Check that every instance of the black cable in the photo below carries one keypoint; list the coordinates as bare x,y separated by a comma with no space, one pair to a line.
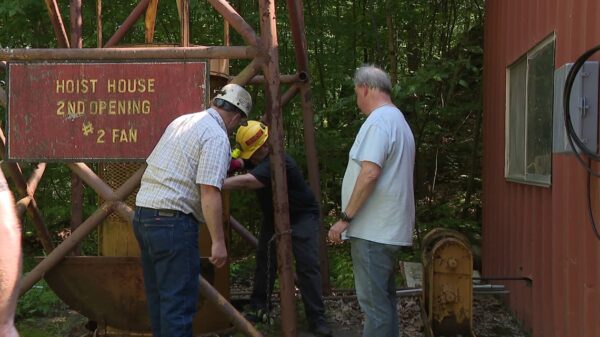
572,136
589,200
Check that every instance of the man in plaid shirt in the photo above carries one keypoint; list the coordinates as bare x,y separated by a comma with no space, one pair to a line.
181,188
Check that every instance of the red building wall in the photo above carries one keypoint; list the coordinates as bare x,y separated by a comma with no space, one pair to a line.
543,233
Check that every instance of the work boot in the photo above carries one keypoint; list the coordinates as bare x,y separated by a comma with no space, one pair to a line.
321,330
257,315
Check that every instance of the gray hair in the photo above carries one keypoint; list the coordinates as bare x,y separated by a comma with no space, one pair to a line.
374,78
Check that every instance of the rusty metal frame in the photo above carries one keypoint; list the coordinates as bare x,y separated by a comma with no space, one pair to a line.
263,51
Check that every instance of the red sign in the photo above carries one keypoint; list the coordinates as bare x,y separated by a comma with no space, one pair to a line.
91,111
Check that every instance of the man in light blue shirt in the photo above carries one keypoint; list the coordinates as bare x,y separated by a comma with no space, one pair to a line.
377,200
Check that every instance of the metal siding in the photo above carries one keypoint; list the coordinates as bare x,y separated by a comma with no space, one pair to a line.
542,233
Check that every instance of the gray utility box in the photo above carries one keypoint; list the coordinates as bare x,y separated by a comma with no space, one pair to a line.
583,107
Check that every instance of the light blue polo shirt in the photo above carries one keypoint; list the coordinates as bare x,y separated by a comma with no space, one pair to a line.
388,215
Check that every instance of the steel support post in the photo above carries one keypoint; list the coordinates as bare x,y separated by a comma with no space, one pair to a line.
310,147
278,177
76,183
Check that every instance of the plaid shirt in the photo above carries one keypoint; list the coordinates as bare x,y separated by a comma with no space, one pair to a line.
193,150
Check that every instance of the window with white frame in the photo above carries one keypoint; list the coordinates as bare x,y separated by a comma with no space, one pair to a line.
529,104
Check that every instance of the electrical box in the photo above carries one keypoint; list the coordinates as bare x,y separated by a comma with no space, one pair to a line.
583,107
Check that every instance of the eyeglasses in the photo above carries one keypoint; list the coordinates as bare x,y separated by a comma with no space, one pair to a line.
243,119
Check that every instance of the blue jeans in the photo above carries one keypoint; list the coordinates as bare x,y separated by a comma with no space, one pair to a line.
374,268
171,264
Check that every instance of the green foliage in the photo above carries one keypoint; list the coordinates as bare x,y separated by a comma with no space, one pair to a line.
340,267
432,49
243,269
39,301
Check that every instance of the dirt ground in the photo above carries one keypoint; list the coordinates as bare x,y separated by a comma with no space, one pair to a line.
491,319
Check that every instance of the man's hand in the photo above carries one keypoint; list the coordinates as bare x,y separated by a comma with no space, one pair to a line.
335,232
218,254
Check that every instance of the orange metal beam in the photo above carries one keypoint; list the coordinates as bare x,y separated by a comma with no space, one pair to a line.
128,23
57,23
211,52
150,21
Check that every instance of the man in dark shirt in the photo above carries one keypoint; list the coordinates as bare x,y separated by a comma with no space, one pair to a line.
304,219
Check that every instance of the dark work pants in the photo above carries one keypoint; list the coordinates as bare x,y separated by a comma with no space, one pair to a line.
305,246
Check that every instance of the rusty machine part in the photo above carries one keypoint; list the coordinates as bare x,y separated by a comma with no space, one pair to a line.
447,298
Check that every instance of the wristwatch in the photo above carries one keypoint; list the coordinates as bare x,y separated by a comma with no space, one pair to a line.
345,217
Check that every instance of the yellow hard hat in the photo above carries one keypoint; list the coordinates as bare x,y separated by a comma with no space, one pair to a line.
250,137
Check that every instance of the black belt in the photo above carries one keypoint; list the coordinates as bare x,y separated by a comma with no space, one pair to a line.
152,212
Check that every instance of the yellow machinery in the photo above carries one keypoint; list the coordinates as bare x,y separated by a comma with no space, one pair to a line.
447,302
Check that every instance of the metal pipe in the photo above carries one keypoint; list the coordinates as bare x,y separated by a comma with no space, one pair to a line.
184,20
289,94
76,24
57,255
243,232
57,24
105,191
35,177
21,206
36,216
300,46
124,210
477,289
237,22
32,183
268,28
284,79
99,23
3,99
150,21
237,319
248,73
211,52
76,184
91,179
32,209
130,184
77,236
128,23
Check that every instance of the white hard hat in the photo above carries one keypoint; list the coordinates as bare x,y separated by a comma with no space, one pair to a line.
236,95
